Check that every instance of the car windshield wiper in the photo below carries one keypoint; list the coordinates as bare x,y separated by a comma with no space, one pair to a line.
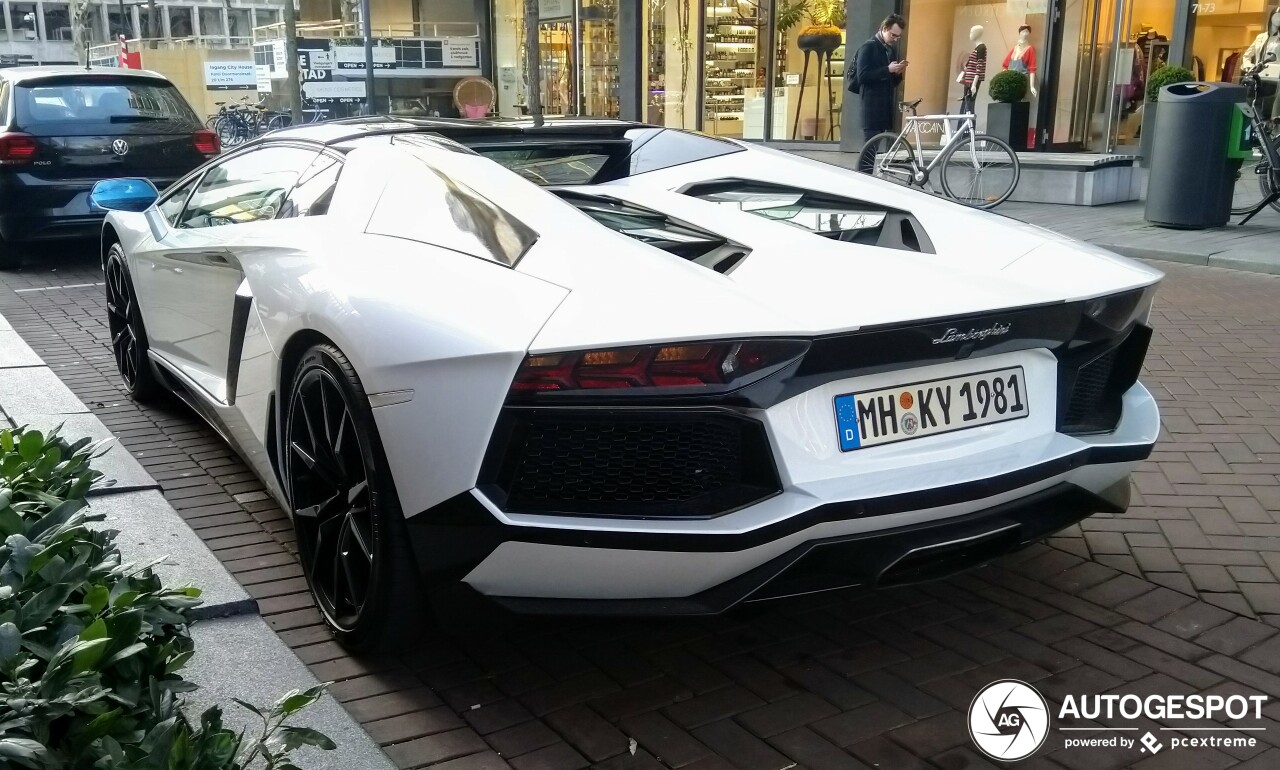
137,118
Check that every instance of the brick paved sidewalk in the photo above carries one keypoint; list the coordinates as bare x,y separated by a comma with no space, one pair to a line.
1162,599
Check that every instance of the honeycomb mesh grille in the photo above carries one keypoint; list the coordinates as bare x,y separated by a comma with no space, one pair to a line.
619,462
1094,406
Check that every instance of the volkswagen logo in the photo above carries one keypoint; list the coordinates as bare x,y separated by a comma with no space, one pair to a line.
1008,720
120,147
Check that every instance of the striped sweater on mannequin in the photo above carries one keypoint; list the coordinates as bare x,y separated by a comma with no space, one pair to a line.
975,67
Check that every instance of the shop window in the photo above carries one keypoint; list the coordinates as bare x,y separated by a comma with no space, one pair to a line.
600,54
808,62
672,52
733,69
57,21
955,47
22,22
1225,43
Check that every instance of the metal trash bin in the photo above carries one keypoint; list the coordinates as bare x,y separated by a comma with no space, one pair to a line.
1191,178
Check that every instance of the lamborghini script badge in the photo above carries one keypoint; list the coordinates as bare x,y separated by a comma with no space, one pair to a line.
955,335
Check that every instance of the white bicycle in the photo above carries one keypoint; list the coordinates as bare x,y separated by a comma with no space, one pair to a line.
975,169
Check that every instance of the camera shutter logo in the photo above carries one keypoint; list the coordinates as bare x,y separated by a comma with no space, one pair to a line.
120,147
1008,720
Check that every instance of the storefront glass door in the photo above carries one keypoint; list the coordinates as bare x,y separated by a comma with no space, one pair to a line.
557,68
600,56
1085,93
1108,49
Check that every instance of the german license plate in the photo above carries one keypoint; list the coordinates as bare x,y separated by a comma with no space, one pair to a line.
931,407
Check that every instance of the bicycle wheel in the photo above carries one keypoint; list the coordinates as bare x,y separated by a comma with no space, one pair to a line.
1254,182
888,156
277,122
1255,179
980,171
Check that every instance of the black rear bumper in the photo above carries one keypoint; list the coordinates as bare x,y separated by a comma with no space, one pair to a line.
873,560
453,538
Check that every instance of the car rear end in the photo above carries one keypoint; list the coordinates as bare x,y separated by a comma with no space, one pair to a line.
68,130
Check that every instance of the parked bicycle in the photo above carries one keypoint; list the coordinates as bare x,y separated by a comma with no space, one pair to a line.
237,123
1258,180
975,169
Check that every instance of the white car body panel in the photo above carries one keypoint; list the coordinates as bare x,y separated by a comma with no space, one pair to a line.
437,335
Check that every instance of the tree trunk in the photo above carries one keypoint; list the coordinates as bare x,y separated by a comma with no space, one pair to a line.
532,68
291,83
81,12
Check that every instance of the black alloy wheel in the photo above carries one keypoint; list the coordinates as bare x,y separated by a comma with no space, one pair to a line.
128,335
351,533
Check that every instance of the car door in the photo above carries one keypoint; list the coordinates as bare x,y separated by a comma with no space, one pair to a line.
188,279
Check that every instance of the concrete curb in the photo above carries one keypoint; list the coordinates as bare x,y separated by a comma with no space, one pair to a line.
237,653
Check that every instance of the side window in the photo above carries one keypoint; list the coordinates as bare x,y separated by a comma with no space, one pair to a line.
247,188
171,206
314,190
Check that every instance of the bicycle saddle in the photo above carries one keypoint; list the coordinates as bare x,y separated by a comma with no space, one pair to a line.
910,105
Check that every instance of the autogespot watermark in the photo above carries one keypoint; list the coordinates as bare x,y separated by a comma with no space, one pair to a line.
1010,720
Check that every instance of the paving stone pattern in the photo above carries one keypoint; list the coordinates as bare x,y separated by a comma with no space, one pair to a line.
1180,595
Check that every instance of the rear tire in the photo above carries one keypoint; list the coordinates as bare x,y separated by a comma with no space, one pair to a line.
10,255
128,334
888,156
352,535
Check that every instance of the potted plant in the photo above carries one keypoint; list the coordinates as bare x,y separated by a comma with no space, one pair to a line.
823,35
1008,115
1164,76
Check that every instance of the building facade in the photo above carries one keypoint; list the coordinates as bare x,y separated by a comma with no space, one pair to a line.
749,68
768,70
40,32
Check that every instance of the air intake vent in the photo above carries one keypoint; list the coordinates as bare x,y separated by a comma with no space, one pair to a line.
635,463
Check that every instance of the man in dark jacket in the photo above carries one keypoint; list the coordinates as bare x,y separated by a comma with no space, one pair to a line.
879,73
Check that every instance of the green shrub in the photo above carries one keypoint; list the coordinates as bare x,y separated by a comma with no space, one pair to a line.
1167,76
91,646
1008,86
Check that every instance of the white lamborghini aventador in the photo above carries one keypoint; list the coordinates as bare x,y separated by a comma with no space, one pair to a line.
597,366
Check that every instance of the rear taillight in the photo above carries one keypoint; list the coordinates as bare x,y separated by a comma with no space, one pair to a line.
17,148
702,366
206,142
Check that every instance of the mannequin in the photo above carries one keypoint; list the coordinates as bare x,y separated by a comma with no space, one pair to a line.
975,70
1022,57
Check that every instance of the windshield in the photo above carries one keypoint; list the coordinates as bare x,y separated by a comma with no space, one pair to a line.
101,102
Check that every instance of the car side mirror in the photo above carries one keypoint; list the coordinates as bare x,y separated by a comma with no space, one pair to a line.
122,195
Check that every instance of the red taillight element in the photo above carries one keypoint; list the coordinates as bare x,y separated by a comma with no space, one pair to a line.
17,148
206,142
684,365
